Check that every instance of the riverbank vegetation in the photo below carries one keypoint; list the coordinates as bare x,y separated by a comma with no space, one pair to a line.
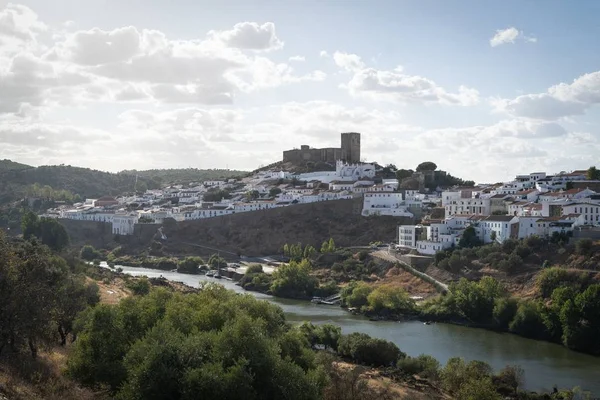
212,343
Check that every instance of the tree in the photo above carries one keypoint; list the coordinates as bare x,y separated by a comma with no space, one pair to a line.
356,294
426,166
294,280
252,195
89,253
469,238
363,349
190,265
593,173
217,262
274,191
511,376
31,278
48,230
402,174
328,246
528,320
211,344
389,299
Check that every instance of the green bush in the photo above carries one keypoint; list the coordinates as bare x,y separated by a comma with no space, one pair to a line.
89,253
212,344
140,287
424,365
363,349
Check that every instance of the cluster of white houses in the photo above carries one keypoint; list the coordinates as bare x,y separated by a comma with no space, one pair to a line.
534,204
187,203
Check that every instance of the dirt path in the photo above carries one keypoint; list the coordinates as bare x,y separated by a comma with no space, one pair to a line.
384,255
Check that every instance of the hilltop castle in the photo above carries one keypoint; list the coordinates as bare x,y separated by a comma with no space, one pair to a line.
349,151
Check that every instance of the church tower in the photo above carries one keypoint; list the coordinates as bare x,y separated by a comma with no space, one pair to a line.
351,147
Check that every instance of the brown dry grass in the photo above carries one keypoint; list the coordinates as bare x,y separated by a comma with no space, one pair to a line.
382,387
23,378
112,290
397,277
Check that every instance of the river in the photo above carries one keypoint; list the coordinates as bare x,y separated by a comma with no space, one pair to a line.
545,364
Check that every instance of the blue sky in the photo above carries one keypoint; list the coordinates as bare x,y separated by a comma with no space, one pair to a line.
422,80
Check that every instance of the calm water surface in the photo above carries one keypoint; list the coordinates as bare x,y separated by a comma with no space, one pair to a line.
545,364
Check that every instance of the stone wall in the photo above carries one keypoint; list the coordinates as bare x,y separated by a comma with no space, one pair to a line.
328,154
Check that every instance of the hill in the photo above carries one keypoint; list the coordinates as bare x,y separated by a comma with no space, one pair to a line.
85,182
185,175
252,233
8,165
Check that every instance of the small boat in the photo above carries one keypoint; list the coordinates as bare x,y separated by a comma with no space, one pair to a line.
426,323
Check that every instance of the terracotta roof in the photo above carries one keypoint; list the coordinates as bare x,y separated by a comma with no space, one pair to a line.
500,196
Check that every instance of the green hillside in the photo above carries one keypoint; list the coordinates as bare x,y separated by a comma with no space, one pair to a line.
8,165
186,175
85,182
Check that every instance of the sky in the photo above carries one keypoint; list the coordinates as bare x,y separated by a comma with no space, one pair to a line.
485,89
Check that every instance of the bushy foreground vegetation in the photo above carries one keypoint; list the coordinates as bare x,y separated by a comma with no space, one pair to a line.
40,296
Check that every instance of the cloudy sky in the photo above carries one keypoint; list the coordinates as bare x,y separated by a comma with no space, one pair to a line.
485,89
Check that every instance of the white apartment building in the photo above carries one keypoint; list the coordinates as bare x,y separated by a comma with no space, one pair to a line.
468,206
589,212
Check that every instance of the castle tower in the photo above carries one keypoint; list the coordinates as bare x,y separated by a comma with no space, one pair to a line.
351,147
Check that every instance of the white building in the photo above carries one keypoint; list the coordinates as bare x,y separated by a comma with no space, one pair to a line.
468,206
589,212
124,224
385,203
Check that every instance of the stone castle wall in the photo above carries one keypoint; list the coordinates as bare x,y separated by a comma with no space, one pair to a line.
349,151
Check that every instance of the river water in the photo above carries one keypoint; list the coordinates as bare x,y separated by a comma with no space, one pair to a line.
545,364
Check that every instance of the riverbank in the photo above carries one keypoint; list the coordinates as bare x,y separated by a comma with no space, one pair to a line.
545,364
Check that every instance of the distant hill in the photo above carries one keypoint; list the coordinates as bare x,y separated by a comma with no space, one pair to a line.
85,182
186,175
8,165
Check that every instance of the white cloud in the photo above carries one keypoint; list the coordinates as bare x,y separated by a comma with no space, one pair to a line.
510,35
323,53
349,62
20,22
503,36
297,58
249,36
559,101
131,65
397,86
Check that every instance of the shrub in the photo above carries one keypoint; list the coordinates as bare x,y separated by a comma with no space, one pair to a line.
528,320
355,294
254,269
424,365
388,299
363,349
584,246
89,253
139,287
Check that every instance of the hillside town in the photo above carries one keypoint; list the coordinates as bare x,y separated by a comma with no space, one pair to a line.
532,204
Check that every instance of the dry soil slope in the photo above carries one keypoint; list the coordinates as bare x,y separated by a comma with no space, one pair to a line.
265,232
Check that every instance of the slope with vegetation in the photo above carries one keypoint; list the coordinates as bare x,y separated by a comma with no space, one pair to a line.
84,182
